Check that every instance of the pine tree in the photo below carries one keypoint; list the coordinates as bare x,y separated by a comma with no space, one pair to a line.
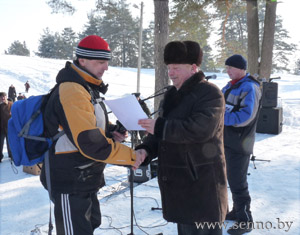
233,33
148,47
297,69
68,39
114,22
189,20
58,46
92,27
17,48
61,6
47,47
118,27
282,49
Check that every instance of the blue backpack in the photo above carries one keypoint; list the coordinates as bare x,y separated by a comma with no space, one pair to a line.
26,134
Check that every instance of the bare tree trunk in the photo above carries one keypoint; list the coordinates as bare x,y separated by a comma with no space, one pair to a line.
161,33
253,37
268,40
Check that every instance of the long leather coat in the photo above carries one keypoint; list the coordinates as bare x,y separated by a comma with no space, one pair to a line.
188,140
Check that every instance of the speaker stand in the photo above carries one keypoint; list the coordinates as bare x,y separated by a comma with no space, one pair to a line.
253,159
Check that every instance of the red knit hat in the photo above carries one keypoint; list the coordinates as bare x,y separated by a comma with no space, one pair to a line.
93,47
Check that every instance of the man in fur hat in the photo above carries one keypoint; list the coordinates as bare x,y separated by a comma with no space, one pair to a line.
187,137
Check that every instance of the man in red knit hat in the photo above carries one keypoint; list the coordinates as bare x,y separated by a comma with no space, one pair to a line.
78,158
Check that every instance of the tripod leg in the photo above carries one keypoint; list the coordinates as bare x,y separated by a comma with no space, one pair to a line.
254,164
253,159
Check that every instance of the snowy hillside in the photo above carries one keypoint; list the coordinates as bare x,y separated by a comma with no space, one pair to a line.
274,186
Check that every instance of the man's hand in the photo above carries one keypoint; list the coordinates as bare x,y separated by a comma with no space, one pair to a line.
141,154
119,137
148,124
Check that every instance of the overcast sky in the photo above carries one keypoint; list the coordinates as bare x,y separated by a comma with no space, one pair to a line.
25,20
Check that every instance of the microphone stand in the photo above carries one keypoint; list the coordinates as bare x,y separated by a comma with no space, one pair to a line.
157,93
150,97
134,142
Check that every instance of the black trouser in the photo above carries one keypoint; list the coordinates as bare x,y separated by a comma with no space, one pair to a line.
2,137
76,214
188,229
237,169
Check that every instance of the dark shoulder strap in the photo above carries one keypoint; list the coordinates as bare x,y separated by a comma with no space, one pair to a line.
90,90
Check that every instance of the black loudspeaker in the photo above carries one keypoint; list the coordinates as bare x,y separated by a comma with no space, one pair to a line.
270,120
269,94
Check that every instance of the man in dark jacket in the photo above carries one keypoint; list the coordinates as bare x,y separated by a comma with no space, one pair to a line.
12,94
78,158
242,95
187,138
5,107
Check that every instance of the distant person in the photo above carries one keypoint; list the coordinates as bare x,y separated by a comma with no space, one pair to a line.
27,86
5,107
21,97
12,94
242,96
78,158
187,138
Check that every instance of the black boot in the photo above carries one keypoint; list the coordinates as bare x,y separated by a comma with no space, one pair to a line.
244,222
240,228
231,215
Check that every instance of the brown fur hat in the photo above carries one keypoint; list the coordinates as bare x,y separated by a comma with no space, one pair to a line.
183,52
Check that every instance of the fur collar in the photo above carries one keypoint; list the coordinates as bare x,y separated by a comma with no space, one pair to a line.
173,96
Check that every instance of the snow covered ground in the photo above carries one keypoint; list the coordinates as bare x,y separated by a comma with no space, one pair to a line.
274,185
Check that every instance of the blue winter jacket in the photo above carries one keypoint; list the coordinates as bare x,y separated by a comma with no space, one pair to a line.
242,108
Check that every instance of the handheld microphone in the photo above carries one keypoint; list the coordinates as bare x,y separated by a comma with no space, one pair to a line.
211,77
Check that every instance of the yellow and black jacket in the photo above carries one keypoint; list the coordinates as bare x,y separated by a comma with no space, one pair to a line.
78,158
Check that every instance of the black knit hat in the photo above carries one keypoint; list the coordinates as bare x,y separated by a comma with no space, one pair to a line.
93,47
237,61
183,52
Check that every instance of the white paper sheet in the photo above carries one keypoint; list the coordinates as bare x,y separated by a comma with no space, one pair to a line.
128,111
